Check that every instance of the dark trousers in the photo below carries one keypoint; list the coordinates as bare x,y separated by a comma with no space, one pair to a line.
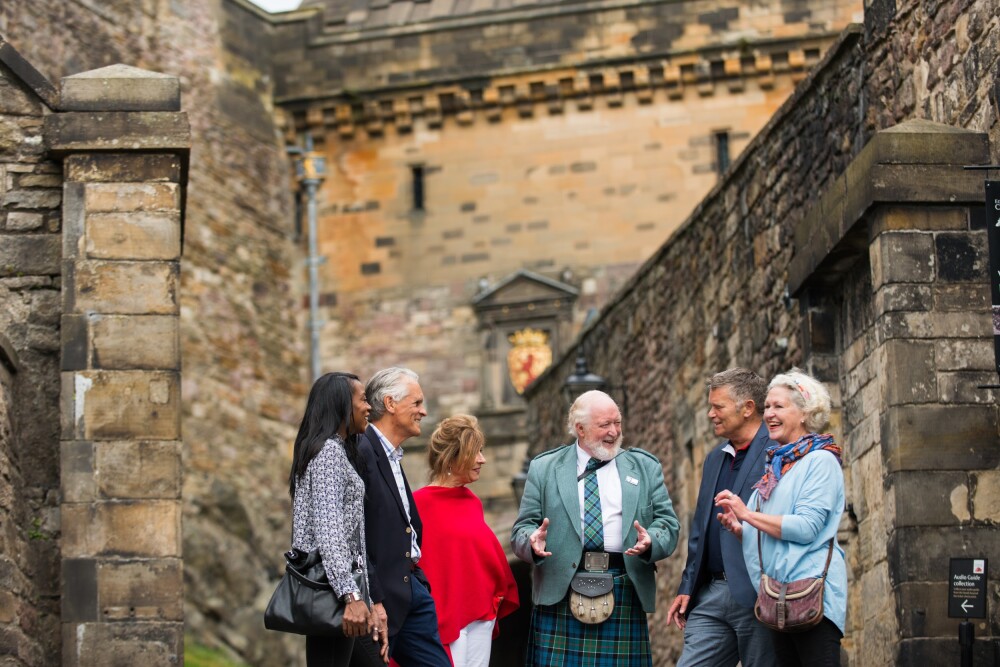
818,647
418,644
329,651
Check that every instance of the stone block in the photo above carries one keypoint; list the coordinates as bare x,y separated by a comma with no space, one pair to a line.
79,594
961,324
127,529
134,235
138,469
120,88
73,333
30,254
931,498
122,288
47,198
944,650
115,405
910,376
986,496
73,219
918,218
902,257
902,296
134,342
143,590
940,437
125,197
921,554
962,256
923,609
964,387
954,355
123,168
972,297
123,644
120,131
22,221
76,471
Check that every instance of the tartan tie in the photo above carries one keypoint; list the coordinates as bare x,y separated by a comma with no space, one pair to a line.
593,521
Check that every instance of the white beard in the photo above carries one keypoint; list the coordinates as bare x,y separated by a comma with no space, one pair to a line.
603,451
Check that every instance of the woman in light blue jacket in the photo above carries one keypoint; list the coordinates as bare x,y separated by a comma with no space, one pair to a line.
796,508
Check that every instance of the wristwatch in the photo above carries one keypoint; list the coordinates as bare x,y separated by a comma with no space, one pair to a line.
350,597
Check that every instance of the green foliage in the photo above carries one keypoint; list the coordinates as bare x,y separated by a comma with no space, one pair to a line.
35,532
198,655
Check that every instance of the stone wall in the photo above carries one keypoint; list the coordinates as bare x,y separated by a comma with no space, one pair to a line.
240,296
30,272
900,336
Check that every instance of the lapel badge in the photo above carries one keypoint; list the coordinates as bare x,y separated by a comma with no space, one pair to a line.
632,480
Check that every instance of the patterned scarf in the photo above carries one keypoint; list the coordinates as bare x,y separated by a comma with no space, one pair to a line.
780,458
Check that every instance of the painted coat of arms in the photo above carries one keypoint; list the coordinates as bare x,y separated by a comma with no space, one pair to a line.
529,356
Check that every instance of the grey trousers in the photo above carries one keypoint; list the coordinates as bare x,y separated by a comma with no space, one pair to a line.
720,633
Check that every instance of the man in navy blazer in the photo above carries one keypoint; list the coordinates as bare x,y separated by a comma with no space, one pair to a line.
398,587
714,603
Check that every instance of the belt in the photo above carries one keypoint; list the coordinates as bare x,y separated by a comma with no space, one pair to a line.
601,561
718,576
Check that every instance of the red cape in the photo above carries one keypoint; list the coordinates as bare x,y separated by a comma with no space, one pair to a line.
465,564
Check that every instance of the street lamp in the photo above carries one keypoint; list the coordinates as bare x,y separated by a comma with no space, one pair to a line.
582,380
310,170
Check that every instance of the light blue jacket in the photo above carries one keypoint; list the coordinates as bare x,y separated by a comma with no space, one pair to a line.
551,491
810,500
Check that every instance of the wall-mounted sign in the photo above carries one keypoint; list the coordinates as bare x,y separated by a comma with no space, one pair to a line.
967,581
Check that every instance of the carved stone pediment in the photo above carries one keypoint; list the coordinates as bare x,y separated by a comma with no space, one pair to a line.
524,295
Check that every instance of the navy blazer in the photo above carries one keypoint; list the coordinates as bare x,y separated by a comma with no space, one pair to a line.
751,470
387,533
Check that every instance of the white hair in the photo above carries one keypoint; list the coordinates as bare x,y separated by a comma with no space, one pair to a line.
579,412
390,382
809,395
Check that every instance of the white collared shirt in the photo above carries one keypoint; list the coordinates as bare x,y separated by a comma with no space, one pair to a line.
397,473
610,486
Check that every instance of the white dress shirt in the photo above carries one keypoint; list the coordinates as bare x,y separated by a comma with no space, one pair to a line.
397,472
610,487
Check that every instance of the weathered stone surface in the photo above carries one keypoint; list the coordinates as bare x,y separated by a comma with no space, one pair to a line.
921,553
117,130
23,221
120,88
123,168
138,469
123,197
135,235
113,287
923,218
128,529
986,497
141,590
76,467
134,342
113,405
902,257
30,254
910,376
123,644
952,437
931,498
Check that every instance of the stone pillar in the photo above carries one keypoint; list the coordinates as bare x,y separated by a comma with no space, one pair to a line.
894,256
124,145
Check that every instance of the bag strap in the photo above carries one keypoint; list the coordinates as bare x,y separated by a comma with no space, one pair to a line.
760,556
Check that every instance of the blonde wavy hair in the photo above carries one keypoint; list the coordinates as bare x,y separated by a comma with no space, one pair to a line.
454,445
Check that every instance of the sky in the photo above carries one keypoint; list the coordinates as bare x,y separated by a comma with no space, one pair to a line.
277,5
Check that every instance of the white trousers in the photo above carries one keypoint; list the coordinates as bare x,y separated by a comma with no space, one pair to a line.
473,646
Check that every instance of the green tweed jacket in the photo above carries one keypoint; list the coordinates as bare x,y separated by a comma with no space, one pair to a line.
551,491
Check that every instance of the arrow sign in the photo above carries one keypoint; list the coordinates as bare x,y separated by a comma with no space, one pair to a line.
967,582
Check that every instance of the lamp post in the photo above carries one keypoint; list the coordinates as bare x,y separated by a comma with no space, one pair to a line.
310,170
581,380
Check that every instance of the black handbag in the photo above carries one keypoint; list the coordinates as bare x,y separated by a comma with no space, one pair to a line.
304,603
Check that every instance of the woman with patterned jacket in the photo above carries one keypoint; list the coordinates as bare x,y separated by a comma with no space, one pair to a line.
327,508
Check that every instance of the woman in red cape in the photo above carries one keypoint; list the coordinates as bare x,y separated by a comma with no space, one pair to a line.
470,580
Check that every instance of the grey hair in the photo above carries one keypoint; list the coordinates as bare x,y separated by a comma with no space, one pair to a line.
388,382
744,385
809,395
579,412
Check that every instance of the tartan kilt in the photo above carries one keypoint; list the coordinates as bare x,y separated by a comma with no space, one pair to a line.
556,639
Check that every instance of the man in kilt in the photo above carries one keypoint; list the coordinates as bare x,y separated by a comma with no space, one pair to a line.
591,507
